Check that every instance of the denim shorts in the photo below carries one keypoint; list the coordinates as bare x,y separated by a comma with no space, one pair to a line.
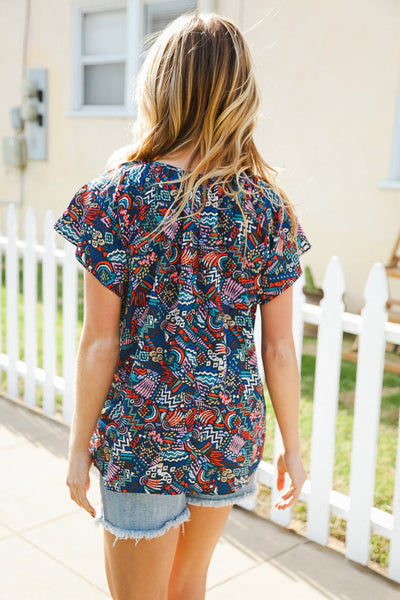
141,515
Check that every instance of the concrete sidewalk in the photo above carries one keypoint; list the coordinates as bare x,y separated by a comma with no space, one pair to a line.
52,549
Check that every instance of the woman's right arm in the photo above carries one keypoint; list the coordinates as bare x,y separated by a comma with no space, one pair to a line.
283,381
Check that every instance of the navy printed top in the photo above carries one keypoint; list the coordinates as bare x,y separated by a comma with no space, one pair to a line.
185,412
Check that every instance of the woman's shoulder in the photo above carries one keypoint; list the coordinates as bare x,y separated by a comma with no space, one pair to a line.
126,172
109,185
265,195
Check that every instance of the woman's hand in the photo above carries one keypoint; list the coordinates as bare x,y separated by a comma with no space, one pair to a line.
291,463
78,479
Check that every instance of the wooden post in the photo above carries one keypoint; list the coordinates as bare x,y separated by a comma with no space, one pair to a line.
12,295
30,307
326,393
367,403
49,314
70,311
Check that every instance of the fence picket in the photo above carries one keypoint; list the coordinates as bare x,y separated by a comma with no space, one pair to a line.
326,393
394,553
70,315
367,402
281,517
12,297
49,314
1,313
30,307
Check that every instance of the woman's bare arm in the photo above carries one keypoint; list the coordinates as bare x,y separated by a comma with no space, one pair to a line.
283,381
97,358
280,365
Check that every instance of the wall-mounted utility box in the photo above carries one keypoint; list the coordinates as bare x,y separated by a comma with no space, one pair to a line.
15,151
37,131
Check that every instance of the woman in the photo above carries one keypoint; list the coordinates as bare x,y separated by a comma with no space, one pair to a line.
180,243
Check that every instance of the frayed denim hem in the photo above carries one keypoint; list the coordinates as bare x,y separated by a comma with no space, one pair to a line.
217,501
142,534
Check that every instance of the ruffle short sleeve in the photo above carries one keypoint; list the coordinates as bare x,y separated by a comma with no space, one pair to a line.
282,265
91,223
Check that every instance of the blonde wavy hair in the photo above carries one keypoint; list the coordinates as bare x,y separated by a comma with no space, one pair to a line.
196,89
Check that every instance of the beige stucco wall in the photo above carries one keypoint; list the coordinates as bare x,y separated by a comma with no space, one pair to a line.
329,73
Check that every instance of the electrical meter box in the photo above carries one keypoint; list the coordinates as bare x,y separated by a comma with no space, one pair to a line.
15,152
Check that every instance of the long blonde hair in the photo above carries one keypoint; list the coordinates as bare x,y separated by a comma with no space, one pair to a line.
196,88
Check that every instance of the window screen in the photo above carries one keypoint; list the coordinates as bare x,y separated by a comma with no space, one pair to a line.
104,84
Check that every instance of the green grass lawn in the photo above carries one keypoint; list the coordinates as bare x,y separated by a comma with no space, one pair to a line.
387,439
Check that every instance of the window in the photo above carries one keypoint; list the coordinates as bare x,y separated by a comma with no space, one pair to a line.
107,46
104,57
393,181
159,14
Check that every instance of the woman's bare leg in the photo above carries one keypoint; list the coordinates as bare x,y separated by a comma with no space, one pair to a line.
194,551
140,572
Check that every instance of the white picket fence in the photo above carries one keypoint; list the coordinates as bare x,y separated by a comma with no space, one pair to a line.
372,327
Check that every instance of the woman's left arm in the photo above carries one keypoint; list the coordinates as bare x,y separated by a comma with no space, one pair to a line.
97,358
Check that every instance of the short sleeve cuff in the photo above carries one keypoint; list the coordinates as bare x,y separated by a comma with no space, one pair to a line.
281,286
88,223
283,266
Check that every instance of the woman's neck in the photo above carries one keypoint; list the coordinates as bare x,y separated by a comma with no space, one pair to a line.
179,159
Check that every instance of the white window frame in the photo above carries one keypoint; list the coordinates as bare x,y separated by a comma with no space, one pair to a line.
135,13
393,181
134,18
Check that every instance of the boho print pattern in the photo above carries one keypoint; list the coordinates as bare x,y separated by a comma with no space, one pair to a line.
185,412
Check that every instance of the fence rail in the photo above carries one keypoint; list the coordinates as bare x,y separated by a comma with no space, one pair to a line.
372,327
